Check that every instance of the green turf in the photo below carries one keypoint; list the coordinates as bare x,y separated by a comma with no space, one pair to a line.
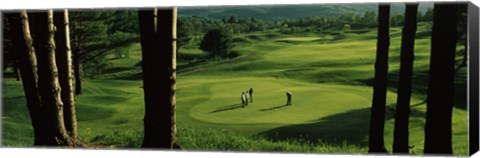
330,77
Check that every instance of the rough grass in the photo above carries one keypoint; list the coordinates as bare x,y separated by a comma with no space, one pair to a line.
215,139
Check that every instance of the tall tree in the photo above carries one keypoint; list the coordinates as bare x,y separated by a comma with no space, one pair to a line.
65,73
217,42
377,118
158,34
89,32
438,125
400,139
25,53
48,84
94,34
78,70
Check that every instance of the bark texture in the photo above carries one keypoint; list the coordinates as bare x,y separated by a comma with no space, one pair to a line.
438,125
377,118
27,63
158,41
400,139
48,84
65,73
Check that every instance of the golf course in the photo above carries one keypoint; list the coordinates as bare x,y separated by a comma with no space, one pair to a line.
329,74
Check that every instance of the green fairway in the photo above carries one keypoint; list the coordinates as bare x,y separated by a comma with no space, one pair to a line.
269,101
330,79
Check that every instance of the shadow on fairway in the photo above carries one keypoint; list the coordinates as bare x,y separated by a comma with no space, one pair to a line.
134,76
226,108
420,83
274,108
350,127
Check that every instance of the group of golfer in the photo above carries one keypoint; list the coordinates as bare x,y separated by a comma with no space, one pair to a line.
248,96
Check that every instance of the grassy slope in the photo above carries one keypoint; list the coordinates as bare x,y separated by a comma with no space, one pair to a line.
330,80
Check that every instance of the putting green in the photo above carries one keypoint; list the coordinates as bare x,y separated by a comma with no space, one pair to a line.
219,100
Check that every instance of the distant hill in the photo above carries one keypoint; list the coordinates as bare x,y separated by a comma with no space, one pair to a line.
279,12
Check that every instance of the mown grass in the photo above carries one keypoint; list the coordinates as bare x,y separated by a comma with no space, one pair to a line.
330,76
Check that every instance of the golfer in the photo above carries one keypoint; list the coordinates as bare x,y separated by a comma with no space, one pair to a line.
289,98
243,99
251,94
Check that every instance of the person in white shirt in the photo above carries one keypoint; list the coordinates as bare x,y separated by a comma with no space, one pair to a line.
243,99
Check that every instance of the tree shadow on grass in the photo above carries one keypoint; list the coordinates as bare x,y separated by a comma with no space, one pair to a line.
274,108
420,86
419,103
134,76
227,108
351,127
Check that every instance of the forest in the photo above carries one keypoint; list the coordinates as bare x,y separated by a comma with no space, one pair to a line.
359,78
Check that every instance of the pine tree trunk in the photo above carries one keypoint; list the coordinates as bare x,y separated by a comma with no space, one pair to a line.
438,125
400,139
27,63
377,120
48,84
159,74
64,60
77,66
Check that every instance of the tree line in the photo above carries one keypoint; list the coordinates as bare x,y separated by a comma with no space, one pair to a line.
215,35
97,35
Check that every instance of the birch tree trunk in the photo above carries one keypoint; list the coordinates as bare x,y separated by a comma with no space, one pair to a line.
65,73
48,84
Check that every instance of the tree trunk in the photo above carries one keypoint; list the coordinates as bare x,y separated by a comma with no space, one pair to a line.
159,75
377,119
438,125
400,139
48,84
64,60
16,70
77,72
27,63
77,66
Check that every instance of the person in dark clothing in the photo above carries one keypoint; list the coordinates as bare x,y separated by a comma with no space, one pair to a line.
289,98
246,98
251,94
